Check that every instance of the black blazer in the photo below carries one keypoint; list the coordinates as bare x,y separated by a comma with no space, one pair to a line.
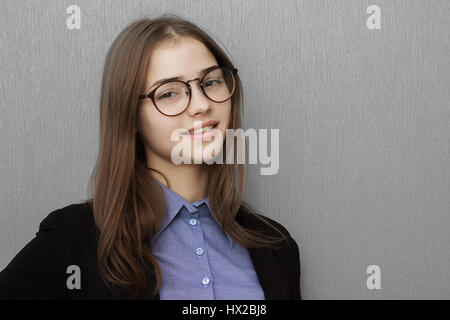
69,236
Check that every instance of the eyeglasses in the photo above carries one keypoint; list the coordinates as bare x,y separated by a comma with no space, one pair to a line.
171,98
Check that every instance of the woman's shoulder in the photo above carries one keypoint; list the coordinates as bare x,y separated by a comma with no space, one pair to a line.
38,270
250,217
69,218
70,212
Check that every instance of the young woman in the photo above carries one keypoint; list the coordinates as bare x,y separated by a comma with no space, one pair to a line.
154,229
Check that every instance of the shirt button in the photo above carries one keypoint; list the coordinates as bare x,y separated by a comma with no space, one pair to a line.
199,251
205,280
193,222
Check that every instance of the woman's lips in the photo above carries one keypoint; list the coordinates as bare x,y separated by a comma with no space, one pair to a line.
203,135
202,125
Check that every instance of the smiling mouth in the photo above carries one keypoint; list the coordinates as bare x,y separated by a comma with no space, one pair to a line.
202,130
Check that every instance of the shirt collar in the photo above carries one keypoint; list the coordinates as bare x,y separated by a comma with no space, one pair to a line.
174,204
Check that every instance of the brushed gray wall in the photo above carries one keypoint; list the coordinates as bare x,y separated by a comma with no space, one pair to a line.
363,118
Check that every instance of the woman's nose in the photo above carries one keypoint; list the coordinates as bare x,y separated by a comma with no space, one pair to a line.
199,102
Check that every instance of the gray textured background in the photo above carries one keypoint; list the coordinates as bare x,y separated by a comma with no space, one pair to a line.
363,117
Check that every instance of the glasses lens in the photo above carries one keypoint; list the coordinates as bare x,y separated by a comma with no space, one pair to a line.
219,84
172,98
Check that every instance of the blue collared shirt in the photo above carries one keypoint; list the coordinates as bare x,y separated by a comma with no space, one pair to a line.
198,260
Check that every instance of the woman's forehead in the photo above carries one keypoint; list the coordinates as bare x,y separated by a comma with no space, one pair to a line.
185,59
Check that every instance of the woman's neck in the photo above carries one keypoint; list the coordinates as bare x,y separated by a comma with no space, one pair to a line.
190,181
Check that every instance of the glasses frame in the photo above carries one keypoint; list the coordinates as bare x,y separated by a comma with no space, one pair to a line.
151,94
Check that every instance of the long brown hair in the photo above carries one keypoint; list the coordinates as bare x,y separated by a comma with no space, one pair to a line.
128,203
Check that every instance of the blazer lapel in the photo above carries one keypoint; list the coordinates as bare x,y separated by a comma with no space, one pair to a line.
268,273
151,283
264,261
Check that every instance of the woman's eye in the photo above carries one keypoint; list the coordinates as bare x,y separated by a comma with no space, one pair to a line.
212,82
165,95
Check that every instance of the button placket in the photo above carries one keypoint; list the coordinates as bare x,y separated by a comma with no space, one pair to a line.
193,219
199,251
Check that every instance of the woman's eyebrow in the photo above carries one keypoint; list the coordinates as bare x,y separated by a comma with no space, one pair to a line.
202,72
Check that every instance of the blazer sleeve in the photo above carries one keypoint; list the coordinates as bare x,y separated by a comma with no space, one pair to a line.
38,271
295,256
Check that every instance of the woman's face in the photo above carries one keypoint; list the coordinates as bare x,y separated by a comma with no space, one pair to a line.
185,59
